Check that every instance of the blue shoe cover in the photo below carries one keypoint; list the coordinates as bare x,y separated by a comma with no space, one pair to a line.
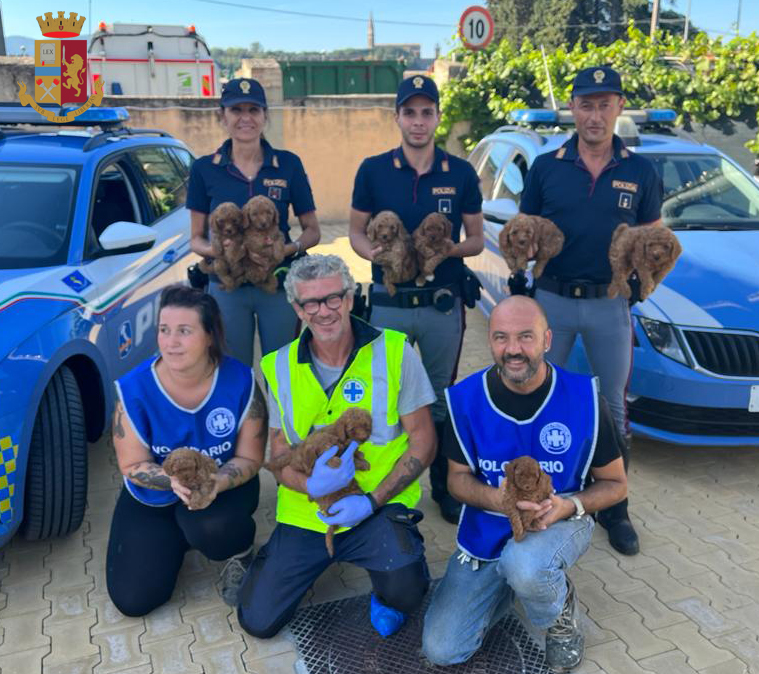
386,620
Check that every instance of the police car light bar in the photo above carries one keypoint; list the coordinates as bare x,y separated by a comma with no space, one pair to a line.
564,117
18,114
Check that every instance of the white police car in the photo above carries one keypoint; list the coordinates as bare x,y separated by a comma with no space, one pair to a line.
92,227
695,378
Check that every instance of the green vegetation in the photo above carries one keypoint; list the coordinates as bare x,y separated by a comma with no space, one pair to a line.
704,80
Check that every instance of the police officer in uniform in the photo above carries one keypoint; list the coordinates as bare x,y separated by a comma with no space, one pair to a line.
246,165
414,180
589,186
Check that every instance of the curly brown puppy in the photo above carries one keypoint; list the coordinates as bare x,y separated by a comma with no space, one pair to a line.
525,481
354,424
264,242
523,232
227,239
195,471
651,250
433,243
397,257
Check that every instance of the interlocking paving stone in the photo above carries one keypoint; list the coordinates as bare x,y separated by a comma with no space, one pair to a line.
279,664
200,595
68,573
743,644
666,587
224,659
110,618
212,629
747,615
672,662
655,613
679,566
23,662
26,563
172,656
25,597
613,658
594,634
23,632
614,579
736,548
600,604
733,666
80,666
732,575
68,603
711,623
165,622
70,640
698,649
721,597
655,519
641,642
120,650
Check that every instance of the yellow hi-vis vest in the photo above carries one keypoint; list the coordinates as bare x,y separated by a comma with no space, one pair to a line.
372,382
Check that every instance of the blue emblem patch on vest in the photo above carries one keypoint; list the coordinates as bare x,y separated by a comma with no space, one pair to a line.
220,422
353,391
555,438
125,339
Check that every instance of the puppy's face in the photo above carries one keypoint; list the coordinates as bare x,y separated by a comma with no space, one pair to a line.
435,229
358,427
659,251
261,214
387,231
520,235
526,475
226,220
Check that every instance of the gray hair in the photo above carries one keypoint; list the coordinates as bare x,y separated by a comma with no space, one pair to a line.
313,267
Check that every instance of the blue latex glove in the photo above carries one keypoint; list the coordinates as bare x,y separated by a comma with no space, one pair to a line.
348,511
385,619
326,480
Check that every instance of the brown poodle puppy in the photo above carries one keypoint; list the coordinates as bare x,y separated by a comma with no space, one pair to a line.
353,424
397,257
264,242
651,250
523,232
525,481
195,471
227,234
433,243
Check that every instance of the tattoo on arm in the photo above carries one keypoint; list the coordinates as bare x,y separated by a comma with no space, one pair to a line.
236,474
258,411
118,427
150,475
412,469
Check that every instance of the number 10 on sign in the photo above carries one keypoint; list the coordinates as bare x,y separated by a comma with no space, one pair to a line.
476,27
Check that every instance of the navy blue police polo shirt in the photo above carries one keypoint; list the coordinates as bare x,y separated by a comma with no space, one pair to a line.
386,182
560,188
215,179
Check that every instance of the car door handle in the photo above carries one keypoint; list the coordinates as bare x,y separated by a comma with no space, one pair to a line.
169,256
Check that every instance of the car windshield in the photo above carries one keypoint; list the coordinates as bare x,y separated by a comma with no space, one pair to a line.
706,192
36,214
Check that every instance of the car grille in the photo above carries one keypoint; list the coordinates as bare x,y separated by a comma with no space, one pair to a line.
689,420
725,353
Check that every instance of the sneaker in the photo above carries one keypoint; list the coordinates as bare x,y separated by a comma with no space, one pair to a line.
565,644
385,619
231,576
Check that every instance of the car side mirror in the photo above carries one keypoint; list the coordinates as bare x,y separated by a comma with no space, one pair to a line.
126,237
499,210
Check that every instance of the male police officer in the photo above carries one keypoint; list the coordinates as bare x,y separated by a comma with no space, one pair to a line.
588,187
521,405
414,180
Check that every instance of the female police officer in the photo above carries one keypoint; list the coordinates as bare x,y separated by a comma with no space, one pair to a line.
244,166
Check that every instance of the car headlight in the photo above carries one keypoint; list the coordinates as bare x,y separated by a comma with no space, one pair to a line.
664,339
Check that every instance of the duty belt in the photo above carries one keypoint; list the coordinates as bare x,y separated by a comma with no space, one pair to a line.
412,298
579,289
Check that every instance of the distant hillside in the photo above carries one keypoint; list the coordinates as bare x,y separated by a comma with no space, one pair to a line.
13,45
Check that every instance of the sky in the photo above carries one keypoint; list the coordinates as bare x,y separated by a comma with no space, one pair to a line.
235,23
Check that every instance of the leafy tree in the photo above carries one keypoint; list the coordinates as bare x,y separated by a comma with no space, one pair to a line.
705,80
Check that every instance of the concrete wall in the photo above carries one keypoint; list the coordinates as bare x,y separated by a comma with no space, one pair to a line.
14,68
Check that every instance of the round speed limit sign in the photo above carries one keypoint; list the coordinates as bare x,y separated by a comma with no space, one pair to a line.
476,27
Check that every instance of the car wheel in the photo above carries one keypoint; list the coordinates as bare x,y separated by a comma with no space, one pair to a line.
56,473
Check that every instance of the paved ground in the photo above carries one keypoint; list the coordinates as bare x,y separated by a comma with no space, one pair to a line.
688,603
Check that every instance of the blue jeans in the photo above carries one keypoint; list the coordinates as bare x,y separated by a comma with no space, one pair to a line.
467,603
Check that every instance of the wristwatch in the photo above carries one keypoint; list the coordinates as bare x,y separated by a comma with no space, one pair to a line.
579,508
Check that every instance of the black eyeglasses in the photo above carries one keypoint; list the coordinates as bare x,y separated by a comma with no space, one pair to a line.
333,301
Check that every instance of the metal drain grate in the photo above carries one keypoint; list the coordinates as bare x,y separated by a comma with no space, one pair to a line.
337,638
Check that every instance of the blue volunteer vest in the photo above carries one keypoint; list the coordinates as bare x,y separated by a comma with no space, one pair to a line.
561,436
162,425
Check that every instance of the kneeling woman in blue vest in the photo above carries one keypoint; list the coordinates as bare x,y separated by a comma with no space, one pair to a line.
190,395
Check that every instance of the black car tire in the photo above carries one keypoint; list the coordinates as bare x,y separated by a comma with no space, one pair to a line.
56,473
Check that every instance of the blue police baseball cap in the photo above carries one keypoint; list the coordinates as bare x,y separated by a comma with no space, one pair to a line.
418,85
597,80
243,90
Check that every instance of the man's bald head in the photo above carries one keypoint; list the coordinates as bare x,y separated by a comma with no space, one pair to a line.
518,306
